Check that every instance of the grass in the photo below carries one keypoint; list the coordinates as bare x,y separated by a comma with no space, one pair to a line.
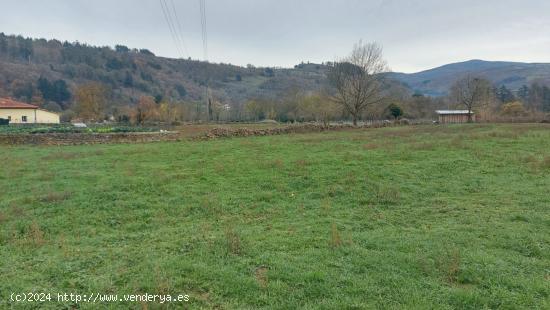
454,217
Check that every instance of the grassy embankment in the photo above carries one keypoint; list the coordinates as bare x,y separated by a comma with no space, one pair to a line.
413,217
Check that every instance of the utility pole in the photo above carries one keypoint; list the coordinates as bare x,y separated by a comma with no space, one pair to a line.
207,103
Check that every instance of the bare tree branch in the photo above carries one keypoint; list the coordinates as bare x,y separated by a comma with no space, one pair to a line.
472,93
356,78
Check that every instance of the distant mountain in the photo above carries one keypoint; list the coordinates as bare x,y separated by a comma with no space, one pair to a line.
438,81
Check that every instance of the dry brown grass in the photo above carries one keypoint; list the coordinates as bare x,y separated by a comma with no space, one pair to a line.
233,241
138,149
503,135
61,156
545,163
425,265
35,235
459,142
45,176
162,282
529,159
276,164
535,164
398,133
388,194
450,265
325,207
3,217
334,189
317,139
53,197
209,205
423,146
302,163
371,146
261,276
16,210
335,238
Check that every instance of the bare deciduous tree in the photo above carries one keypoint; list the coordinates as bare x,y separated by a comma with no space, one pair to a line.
146,111
472,93
357,78
318,107
254,109
90,101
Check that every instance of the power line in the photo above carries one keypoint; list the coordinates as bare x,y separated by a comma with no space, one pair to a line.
171,27
178,35
180,27
202,4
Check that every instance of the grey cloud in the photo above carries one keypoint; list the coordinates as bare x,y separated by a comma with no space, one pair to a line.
415,34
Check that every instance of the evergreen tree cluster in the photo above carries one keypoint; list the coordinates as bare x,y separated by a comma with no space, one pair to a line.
56,91
535,97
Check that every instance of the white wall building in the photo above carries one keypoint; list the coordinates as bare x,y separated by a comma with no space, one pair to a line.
24,113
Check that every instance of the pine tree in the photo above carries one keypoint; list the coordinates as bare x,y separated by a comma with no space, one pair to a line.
523,93
546,99
504,95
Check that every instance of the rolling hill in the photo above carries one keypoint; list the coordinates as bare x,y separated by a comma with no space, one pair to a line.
49,71
438,81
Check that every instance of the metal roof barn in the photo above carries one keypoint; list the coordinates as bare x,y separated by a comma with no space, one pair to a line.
455,116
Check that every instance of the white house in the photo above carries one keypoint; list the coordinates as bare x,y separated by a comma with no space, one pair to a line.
24,113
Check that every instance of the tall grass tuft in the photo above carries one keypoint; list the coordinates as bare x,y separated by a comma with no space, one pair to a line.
545,163
450,265
388,195
335,238
233,241
35,235
261,276
53,197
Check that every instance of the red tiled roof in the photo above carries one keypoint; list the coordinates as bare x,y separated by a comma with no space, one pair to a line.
12,104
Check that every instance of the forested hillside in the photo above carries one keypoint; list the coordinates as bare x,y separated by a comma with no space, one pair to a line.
136,85
48,73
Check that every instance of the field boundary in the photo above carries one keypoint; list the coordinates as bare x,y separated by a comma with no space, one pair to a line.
217,133
148,137
86,138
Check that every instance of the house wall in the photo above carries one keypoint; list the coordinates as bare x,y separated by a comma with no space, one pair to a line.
33,116
17,115
45,117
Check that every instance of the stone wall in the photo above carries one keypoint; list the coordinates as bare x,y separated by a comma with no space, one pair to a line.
85,138
303,128
215,133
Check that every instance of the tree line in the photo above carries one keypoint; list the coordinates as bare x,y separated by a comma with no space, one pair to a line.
353,88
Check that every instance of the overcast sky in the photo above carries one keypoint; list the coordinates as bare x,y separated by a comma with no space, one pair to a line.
415,34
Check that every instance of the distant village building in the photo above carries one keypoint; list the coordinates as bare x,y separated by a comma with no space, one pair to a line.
24,113
455,116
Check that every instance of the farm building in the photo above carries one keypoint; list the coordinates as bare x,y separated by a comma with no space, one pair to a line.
455,116
24,113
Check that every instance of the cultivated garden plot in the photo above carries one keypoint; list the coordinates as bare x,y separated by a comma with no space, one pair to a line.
417,217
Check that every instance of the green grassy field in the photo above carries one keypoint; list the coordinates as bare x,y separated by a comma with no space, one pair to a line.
424,217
